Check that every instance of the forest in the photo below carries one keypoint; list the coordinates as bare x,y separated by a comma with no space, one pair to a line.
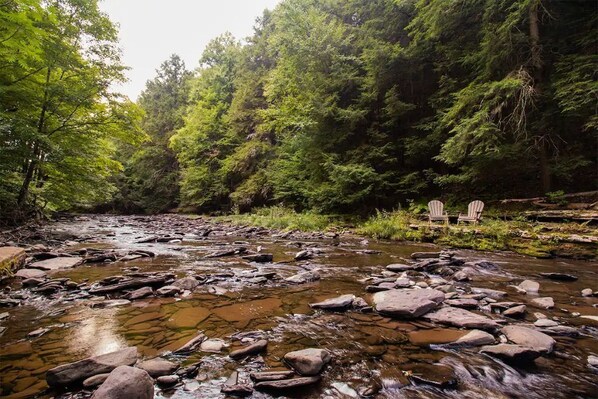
335,106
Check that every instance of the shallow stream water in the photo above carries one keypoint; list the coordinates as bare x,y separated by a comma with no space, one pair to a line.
369,350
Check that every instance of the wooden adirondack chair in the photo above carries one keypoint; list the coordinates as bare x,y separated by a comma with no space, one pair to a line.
474,212
436,209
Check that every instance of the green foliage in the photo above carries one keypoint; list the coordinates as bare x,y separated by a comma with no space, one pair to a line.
281,218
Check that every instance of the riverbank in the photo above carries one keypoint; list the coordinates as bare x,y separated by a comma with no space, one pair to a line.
568,239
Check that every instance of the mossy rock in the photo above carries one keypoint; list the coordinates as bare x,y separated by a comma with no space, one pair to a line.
11,259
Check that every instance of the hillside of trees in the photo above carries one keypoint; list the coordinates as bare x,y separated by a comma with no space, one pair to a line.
337,106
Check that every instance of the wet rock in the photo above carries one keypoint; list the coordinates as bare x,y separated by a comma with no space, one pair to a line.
303,255
344,390
587,292
399,267
515,354
140,293
250,350
342,302
461,318
259,258
529,286
57,263
466,303
32,282
186,283
544,302
494,294
425,255
241,390
593,361
545,323
38,333
168,290
110,303
515,311
158,367
129,284
308,361
402,282
212,345
166,381
529,338
31,274
561,331
11,258
407,303
71,373
461,276
287,384
271,375
303,277
126,382
95,381
433,374
559,276
475,338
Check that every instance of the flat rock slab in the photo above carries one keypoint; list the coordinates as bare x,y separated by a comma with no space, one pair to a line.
338,303
308,361
407,303
31,273
399,267
11,258
72,373
63,262
252,349
303,277
126,382
475,338
271,375
287,384
511,353
490,293
516,311
529,338
158,367
461,318
544,302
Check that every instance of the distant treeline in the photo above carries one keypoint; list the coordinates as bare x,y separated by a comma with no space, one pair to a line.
346,106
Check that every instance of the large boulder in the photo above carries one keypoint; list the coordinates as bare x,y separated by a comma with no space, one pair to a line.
529,338
461,318
126,382
308,361
407,303
72,373
158,367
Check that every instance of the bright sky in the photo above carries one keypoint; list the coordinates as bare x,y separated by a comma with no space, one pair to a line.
152,30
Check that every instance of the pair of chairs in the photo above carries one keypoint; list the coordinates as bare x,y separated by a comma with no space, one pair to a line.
437,214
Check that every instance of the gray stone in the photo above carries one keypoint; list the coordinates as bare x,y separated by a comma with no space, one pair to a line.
398,267
402,282
158,367
168,290
544,302
95,381
303,277
167,380
494,294
529,286
250,350
511,353
271,375
584,292
302,255
287,384
31,273
126,382
545,323
62,262
186,283
71,373
308,361
467,303
593,361
461,318
529,338
516,311
212,345
339,303
475,338
140,293
407,303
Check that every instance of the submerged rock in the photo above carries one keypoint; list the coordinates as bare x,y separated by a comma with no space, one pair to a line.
308,361
126,382
559,276
407,303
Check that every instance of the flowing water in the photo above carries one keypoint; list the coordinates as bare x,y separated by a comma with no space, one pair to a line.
369,350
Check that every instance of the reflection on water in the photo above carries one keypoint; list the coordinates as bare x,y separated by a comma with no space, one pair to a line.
95,334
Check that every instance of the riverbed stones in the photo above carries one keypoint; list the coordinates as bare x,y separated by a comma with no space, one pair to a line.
71,373
158,367
515,311
31,274
515,354
308,361
63,262
475,338
399,267
140,293
304,277
494,294
212,345
126,382
186,283
259,258
95,380
168,290
250,350
339,303
303,255
407,303
593,361
542,323
433,374
271,375
543,302
529,286
287,384
587,292
529,338
461,318
167,381
466,303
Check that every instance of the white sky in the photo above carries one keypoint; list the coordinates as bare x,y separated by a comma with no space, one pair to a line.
152,30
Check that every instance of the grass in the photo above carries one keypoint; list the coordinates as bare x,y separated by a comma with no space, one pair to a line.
281,218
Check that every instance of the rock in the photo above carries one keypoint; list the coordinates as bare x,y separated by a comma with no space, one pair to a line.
140,293
308,361
467,303
72,373
407,303
212,345
271,375
38,333
461,276
516,311
32,282
584,292
302,255
544,302
593,361
62,262
167,380
511,353
241,390
339,303
126,383
545,323
399,267
433,374
475,338
192,344
186,283
529,286
252,349
461,318
303,277
535,340
589,317
168,290
287,384
158,367
259,258
494,294
561,331
425,255
403,283
559,276
31,274
11,259
96,380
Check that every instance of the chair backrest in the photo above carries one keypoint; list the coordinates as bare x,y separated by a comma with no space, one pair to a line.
436,207
475,208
